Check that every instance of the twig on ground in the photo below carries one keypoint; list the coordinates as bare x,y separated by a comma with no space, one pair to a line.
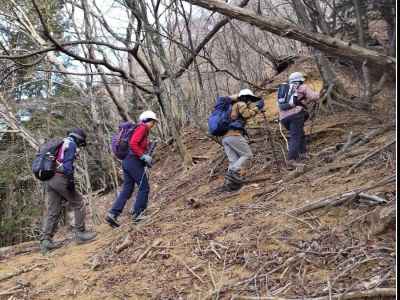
154,244
188,268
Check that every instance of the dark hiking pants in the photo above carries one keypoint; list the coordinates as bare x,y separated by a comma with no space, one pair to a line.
297,140
134,172
58,195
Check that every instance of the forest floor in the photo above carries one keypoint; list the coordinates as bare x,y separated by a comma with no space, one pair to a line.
301,234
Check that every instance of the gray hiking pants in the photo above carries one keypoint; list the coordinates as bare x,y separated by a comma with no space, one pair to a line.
238,151
58,194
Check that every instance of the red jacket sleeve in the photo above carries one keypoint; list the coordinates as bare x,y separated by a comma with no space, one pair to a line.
138,141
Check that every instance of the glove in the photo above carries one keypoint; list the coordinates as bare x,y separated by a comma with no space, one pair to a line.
260,104
71,184
147,159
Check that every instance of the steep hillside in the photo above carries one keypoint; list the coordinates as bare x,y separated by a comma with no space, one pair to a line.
324,230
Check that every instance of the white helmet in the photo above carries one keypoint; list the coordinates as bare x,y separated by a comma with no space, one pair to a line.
296,77
147,115
246,92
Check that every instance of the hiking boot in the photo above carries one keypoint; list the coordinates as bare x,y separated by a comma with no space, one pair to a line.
112,220
303,157
234,177
292,164
136,218
48,245
230,186
84,236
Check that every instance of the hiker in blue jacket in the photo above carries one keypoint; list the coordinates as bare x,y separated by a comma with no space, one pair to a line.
61,188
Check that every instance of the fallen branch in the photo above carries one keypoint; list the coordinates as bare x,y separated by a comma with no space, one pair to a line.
373,133
11,291
373,198
359,163
375,293
338,198
20,248
7,276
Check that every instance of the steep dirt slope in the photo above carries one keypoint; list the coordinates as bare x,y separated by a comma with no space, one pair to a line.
199,243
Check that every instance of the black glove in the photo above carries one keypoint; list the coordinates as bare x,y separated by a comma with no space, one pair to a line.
71,184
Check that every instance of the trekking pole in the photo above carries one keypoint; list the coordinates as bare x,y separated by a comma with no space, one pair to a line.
315,111
152,147
271,142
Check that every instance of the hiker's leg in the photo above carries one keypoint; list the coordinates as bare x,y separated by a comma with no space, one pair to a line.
303,147
127,189
74,200
142,197
76,203
242,149
229,151
139,175
296,128
53,212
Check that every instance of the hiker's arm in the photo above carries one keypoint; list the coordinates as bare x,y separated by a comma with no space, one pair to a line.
245,111
137,137
69,158
310,95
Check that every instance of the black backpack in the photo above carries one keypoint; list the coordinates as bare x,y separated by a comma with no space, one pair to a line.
44,165
287,96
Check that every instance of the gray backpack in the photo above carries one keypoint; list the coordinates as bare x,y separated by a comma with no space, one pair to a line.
287,96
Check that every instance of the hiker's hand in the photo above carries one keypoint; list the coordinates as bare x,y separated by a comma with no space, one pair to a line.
71,184
260,104
147,159
234,97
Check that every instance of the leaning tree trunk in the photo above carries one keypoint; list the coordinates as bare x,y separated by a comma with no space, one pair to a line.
325,43
336,92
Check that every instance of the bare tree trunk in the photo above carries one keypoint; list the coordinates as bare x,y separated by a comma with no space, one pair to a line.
319,41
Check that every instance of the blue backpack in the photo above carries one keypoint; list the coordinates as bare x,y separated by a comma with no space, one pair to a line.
220,118
120,140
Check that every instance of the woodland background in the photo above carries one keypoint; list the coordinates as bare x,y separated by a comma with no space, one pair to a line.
94,63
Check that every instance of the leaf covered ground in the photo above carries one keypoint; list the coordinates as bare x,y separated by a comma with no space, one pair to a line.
199,243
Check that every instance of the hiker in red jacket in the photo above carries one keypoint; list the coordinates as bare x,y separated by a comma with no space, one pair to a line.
134,171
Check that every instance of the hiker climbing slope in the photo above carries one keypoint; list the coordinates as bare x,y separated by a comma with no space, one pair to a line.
236,109
292,99
61,188
133,166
